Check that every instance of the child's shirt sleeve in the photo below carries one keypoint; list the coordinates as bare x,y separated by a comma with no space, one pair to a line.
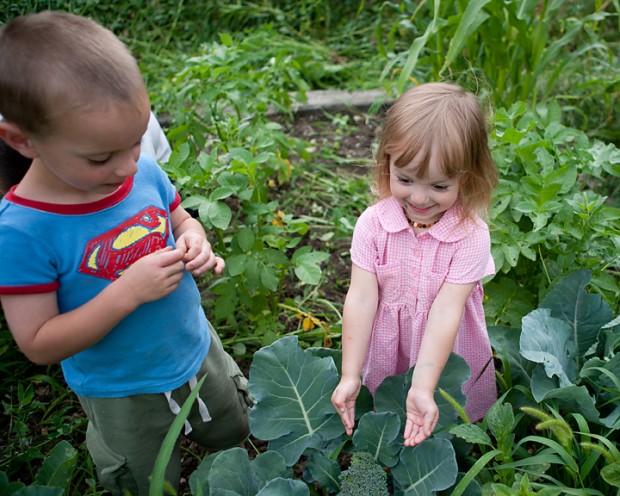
28,264
363,243
471,260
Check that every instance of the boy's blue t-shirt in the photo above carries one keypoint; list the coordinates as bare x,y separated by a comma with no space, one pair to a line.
77,250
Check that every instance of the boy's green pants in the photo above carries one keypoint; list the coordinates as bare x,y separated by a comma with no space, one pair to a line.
125,434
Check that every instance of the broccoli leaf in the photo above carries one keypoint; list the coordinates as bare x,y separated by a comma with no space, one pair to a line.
547,340
292,393
425,469
230,473
585,313
377,434
225,477
392,392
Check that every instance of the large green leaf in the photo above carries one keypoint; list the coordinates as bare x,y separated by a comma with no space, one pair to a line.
364,402
585,313
470,21
472,433
549,341
392,392
611,474
230,473
292,393
425,469
577,399
215,213
500,421
9,488
270,465
377,434
307,264
571,398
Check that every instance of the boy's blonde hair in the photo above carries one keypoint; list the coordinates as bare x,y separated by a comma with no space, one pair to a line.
449,121
52,63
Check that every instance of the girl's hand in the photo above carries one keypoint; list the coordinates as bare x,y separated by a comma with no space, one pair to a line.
153,276
422,416
199,256
343,399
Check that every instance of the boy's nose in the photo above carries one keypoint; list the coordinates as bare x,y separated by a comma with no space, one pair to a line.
128,166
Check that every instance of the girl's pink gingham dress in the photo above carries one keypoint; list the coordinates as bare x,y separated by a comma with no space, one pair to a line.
410,271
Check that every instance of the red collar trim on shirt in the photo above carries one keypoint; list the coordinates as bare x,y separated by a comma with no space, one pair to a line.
75,208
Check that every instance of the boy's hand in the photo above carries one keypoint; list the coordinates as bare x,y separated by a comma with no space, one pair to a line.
422,416
343,399
199,256
154,276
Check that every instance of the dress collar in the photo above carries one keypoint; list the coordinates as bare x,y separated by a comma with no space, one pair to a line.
448,229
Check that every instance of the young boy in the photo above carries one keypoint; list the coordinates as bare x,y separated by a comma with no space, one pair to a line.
98,255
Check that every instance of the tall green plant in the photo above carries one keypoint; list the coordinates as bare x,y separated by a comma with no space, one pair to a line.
519,50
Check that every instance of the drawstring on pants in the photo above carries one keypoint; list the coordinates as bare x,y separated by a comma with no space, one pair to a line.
202,408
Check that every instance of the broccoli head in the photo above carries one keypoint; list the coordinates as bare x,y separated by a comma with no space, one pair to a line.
365,477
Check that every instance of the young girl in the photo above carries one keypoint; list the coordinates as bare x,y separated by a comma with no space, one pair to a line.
418,255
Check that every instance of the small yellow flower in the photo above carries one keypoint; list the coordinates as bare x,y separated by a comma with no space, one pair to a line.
308,324
278,219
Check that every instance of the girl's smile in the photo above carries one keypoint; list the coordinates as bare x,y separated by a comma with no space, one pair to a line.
423,199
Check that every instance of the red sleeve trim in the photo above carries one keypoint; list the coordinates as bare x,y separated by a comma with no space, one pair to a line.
176,202
34,289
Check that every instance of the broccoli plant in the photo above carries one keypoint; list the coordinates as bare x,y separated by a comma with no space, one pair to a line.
292,411
363,477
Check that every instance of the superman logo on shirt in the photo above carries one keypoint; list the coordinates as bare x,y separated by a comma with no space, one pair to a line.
110,253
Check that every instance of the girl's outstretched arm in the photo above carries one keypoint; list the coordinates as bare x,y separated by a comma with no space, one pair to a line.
441,328
358,316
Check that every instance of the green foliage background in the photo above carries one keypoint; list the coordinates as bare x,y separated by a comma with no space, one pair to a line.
281,209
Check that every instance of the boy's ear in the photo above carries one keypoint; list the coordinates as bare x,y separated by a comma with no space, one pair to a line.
17,139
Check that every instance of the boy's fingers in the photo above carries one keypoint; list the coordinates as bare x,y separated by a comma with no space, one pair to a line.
170,256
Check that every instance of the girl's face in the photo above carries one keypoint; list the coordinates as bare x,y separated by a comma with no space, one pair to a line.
90,155
424,200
